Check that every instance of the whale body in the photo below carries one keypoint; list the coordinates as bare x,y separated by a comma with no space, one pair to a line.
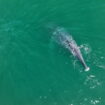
66,40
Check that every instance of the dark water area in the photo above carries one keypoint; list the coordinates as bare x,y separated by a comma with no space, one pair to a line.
34,70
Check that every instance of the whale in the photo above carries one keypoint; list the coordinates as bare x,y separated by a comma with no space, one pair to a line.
66,40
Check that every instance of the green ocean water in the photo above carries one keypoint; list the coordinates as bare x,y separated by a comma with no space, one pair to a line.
34,70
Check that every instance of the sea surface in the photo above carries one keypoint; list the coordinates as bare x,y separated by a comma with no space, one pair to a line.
34,69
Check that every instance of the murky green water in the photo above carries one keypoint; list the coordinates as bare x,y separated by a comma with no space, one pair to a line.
34,70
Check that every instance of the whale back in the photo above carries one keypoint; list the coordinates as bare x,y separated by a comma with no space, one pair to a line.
63,38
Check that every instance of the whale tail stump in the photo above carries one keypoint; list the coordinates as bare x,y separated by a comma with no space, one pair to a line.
87,69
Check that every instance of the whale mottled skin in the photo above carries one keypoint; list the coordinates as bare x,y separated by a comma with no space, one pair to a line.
68,42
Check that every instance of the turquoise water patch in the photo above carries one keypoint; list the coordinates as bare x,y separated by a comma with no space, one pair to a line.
34,70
